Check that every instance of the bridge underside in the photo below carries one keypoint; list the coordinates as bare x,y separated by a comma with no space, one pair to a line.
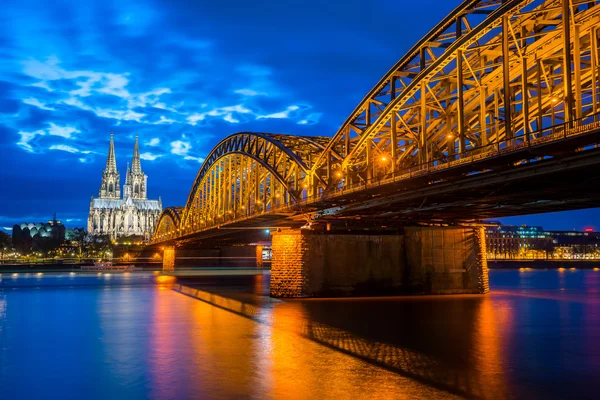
490,188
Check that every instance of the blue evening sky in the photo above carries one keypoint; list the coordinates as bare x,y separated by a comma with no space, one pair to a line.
182,75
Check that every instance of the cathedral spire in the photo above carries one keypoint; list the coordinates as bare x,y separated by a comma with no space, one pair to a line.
136,165
110,187
135,182
111,161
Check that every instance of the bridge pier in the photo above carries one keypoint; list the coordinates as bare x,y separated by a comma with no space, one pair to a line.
246,256
422,260
169,259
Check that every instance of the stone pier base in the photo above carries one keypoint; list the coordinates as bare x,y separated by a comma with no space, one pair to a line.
168,259
423,260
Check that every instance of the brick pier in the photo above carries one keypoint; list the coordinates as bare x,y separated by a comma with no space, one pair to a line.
423,260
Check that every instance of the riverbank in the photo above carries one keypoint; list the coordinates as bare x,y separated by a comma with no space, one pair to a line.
543,264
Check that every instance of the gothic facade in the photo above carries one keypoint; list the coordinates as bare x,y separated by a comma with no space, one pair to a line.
132,214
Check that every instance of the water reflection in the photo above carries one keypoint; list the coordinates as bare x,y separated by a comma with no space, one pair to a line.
138,338
303,318
493,346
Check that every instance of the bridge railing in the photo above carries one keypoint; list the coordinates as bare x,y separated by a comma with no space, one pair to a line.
491,150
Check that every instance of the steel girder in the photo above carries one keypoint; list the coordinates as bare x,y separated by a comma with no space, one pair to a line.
493,74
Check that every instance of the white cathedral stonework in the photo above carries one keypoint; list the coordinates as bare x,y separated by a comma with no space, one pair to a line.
133,214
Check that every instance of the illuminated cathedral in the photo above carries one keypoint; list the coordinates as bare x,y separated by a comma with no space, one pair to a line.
130,215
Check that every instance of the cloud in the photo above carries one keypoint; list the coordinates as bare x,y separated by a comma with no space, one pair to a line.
249,92
35,102
27,137
63,131
180,147
311,119
150,156
153,142
164,120
199,159
225,113
281,114
63,147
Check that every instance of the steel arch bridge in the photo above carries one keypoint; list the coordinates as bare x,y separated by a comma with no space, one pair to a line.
492,78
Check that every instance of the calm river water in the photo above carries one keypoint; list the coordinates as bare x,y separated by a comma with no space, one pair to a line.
140,336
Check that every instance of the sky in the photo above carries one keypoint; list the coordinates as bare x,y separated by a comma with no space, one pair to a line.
182,75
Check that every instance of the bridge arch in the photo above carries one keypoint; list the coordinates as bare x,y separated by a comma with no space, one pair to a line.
168,224
491,75
249,173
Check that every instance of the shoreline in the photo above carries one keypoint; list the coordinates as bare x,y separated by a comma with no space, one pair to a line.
543,264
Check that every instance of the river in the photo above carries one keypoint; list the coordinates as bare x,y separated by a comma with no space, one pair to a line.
219,336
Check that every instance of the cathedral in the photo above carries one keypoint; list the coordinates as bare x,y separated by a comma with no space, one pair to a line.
130,215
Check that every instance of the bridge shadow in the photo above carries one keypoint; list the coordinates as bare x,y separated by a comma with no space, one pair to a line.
430,340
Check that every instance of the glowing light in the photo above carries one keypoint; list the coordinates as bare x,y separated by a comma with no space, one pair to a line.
572,269
596,269
71,273
554,100
267,231
384,158
40,274
15,274
99,273
339,174
561,270
450,136
165,279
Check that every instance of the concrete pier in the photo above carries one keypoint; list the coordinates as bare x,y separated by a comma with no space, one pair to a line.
422,260
248,256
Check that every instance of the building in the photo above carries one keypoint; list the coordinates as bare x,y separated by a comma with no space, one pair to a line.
534,242
130,215
43,236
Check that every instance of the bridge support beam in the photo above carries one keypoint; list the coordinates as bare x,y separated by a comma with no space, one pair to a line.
423,260
169,259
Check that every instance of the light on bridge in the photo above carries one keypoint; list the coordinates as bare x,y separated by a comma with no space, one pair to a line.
339,174
267,231
383,159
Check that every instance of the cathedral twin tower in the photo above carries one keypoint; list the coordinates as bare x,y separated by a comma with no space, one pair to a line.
131,215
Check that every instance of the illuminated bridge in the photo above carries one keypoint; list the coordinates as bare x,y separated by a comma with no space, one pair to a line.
493,113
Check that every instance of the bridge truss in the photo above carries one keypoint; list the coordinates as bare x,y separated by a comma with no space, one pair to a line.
492,77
